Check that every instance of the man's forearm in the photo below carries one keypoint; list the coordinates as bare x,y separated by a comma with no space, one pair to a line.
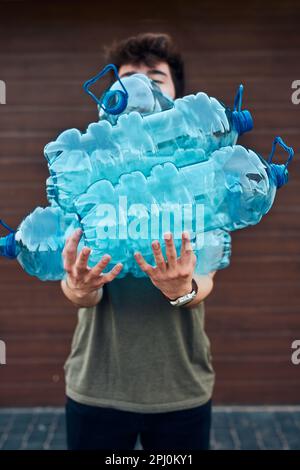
205,285
79,300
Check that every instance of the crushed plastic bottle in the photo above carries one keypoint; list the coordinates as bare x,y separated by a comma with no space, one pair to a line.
231,190
39,241
144,96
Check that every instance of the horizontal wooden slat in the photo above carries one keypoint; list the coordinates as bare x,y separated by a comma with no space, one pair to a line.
29,394
37,348
259,392
248,318
80,65
257,369
58,321
244,346
59,92
207,38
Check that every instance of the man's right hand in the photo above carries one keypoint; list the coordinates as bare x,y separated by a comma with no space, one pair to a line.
83,285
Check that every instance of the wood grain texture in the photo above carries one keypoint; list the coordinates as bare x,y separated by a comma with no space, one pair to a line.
47,51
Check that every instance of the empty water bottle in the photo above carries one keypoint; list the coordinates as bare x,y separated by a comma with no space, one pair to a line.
39,241
144,96
237,186
233,189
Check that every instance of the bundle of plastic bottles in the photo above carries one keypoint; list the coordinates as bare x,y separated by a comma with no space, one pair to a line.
149,165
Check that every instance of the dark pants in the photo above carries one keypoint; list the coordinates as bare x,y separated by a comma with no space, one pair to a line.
94,427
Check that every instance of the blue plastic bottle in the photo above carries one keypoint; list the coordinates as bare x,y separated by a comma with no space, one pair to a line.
232,190
236,186
39,241
143,96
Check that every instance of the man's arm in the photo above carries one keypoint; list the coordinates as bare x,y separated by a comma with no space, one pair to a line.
205,285
83,299
83,285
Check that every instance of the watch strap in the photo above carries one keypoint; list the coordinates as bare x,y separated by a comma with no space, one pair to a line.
184,299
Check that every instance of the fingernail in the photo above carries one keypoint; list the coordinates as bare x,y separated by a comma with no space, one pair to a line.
167,236
155,244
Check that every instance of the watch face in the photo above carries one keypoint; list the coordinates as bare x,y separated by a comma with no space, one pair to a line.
184,299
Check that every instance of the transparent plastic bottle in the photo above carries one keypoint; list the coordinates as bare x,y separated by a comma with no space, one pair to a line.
39,241
237,186
144,96
232,190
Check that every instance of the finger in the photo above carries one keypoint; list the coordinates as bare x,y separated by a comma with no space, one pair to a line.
170,250
100,266
186,245
108,277
159,258
70,250
146,267
81,263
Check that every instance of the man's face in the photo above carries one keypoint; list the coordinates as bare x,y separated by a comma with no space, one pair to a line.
160,74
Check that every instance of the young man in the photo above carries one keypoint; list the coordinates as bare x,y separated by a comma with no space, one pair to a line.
138,364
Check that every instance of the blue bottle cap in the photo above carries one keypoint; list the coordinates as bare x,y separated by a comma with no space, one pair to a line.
280,172
8,246
242,120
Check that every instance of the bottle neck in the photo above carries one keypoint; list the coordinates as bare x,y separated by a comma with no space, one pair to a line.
242,121
280,174
8,246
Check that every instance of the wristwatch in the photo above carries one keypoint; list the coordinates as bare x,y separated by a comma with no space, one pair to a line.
184,299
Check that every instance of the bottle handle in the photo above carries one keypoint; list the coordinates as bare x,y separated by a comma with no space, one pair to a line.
7,226
238,98
8,243
121,96
243,121
290,150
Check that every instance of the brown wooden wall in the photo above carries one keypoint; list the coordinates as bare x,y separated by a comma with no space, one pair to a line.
46,53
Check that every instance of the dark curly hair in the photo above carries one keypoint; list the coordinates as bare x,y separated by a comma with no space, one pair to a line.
148,48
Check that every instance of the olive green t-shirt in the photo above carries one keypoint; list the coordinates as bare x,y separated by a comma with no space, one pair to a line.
136,352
